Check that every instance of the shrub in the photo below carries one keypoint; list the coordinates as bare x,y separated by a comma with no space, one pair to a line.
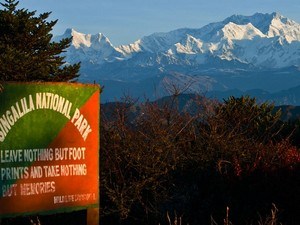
157,159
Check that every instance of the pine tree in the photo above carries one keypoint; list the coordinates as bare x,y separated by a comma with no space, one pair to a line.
26,50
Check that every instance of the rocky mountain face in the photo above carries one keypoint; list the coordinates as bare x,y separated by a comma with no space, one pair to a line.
240,53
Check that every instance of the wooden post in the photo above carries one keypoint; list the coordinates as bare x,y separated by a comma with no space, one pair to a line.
93,216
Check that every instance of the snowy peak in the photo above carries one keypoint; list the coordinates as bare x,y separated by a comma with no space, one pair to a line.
259,20
261,40
244,52
88,48
190,45
127,50
282,26
163,41
272,25
236,27
234,31
80,40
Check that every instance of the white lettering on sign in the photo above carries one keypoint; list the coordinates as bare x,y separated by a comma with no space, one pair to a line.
43,100
81,124
37,188
70,153
10,117
73,198
53,102
9,190
14,173
65,167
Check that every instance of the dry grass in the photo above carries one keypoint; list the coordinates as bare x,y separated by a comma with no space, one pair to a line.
271,219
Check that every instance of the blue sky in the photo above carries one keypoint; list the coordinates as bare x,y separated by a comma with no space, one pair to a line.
125,21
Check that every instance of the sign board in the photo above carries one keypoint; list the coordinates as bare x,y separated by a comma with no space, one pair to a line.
49,148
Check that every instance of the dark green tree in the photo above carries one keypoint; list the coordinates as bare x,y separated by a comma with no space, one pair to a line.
26,50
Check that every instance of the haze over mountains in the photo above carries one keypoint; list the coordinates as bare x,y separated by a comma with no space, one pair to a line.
257,55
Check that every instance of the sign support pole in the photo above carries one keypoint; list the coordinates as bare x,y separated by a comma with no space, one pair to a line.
93,216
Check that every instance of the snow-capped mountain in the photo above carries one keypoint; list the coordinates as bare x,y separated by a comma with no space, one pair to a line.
225,51
87,48
263,40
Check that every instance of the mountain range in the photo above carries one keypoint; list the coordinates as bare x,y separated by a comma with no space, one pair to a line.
258,54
